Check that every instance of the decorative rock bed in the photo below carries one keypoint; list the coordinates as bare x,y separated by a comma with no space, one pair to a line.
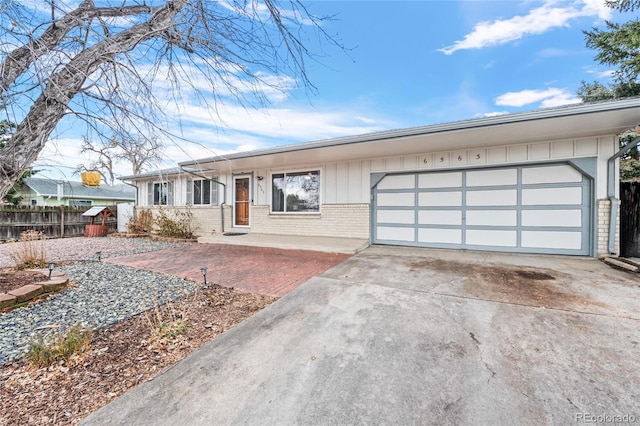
16,298
102,293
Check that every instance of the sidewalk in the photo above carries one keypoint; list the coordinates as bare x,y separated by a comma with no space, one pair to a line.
291,242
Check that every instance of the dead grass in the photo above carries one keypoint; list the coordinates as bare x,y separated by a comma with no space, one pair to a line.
29,251
59,349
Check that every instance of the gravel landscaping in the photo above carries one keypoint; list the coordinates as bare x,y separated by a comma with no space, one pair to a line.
79,248
101,294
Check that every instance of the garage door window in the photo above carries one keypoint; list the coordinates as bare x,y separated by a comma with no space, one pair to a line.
297,192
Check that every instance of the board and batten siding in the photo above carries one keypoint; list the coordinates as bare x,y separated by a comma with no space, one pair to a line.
349,181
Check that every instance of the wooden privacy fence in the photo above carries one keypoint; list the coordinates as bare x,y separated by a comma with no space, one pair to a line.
630,219
55,222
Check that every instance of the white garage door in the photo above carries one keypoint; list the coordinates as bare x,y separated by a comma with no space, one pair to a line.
530,209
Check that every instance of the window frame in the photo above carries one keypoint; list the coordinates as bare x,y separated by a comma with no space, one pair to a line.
151,193
284,174
214,198
80,203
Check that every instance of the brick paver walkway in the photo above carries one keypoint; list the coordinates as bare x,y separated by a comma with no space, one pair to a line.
261,270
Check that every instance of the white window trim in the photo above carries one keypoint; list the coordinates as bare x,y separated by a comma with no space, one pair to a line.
292,171
212,190
170,192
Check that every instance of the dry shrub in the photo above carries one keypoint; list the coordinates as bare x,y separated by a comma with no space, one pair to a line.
29,251
42,354
166,324
141,222
175,224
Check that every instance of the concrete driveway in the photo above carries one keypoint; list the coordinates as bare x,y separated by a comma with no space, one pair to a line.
417,336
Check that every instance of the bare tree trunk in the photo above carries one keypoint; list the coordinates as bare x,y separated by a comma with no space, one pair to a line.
32,133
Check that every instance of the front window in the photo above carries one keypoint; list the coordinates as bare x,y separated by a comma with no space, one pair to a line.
297,192
204,192
160,194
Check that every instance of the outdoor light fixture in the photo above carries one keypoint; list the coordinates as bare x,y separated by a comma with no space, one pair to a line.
259,177
99,255
51,266
204,274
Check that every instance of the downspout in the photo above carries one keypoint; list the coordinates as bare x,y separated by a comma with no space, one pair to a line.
135,186
224,193
611,191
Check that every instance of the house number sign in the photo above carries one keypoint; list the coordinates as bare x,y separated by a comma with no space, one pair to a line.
442,159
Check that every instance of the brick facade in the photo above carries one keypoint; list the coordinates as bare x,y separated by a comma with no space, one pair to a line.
602,228
335,220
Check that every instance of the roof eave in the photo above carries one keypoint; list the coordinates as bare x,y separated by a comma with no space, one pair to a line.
477,123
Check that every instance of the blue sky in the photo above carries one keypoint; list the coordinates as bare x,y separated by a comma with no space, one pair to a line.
407,63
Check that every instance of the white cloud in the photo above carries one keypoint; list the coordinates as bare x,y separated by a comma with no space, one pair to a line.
537,21
282,123
200,133
366,120
494,114
598,73
550,97
260,11
228,80
560,100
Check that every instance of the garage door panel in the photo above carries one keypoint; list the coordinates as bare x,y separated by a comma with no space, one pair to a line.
396,199
396,216
552,196
551,218
497,177
552,240
440,180
492,217
531,208
398,182
393,233
504,197
550,174
440,236
440,199
440,217
485,237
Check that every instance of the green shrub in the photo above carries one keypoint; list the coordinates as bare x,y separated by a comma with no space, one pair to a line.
42,354
630,170
177,224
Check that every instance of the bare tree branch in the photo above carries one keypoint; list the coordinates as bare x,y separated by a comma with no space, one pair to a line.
113,69
21,58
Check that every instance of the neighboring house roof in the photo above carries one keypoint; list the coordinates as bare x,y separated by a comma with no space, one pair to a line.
49,187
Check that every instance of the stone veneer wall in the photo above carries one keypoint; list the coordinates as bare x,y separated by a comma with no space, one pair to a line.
602,228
